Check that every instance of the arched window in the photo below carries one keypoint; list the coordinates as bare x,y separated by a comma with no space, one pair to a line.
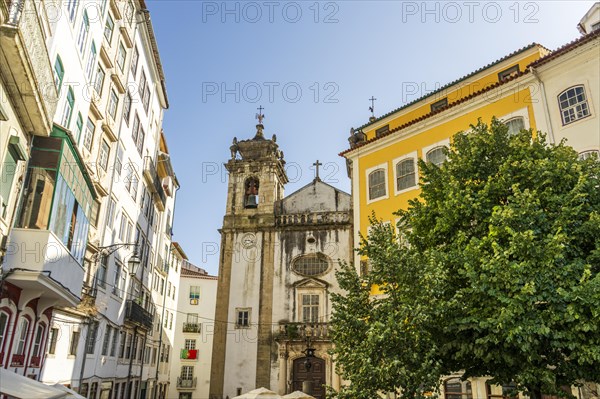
588,154
23,332
251,187
405,174
436,156
311,265
455,388
515,125
573,104
376,184
37,343
3,327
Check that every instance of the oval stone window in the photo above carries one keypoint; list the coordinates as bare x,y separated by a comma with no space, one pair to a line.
311,265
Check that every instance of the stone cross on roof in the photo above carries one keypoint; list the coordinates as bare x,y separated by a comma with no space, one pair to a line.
260,116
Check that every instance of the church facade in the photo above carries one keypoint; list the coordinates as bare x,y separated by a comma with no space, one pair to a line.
277,269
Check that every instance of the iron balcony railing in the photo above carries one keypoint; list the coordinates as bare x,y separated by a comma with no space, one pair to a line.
186,383
192,327
300,331
136,314
156,188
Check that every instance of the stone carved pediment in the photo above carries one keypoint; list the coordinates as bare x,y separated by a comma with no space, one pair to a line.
311,283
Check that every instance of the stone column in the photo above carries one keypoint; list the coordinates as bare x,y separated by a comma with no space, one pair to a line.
336,380
283,360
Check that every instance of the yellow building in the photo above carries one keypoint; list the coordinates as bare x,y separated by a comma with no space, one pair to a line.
382,158
555,92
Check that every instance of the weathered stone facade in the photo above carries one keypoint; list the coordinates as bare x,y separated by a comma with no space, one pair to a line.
277,265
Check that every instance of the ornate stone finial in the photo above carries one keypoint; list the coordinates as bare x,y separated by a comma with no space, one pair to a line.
351,131
234,148
274,138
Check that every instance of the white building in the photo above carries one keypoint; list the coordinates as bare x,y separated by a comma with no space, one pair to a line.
192,348
97,190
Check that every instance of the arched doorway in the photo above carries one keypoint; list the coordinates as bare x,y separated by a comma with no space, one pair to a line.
316,374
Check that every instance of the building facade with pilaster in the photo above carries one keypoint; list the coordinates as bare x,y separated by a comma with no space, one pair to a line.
276,272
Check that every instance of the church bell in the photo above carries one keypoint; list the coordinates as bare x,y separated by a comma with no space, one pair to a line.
251,201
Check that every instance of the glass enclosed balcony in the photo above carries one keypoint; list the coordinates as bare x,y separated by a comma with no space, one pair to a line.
50,234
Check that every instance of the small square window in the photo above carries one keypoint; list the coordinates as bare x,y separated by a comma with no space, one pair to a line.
242,318
508,73
382,130
436,106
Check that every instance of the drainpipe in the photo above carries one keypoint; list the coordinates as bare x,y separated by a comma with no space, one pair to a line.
132,355
87,323
545,102
162,316
142,366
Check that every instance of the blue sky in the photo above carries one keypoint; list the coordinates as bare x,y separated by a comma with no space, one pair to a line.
313,66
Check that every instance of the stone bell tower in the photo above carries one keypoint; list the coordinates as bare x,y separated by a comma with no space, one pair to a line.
241,353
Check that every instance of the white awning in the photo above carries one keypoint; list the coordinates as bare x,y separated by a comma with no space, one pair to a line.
21,387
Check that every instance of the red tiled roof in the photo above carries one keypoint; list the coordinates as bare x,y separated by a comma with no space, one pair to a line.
197,274
430,114
566,48
454,82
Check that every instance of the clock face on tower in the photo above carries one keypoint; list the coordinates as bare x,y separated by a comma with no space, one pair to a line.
248,240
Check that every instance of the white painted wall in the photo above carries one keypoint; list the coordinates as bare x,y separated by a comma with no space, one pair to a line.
204,340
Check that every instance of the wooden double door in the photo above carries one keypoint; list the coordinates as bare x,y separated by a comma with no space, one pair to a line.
316,374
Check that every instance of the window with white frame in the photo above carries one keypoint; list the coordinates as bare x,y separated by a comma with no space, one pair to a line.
119,159
242,319
99,80
37,343
91,62
573,104
589,154
83,32
127,108
68,109
59,73
72,9
3,327
121,55
194,293
310,308
92,333
436,156
73,343
89,134
113,102
405,174
311,264
515,125
455,388
187,372
22,342
52,340
377,184
109,28
104,154
78,127
134,61
190,344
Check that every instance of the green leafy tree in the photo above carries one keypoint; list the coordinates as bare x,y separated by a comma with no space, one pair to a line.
494,271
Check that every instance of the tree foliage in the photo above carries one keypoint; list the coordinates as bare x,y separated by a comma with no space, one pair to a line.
494,271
